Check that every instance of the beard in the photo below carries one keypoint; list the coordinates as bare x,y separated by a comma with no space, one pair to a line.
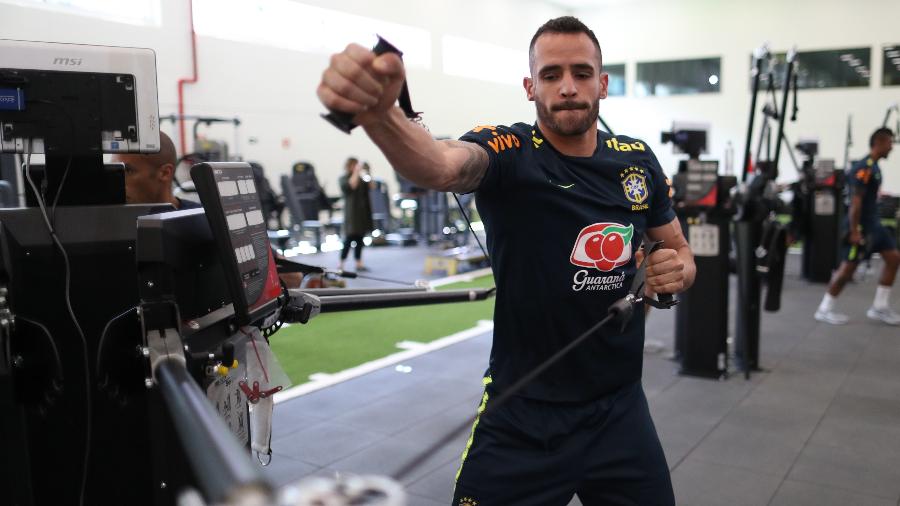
568,118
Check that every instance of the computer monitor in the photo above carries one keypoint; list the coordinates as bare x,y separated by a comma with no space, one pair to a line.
231,202
73,99
73,103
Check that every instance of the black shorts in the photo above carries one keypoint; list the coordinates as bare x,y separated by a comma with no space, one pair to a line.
878,239
542,453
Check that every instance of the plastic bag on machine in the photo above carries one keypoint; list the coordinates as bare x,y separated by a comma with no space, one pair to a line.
226,394
265,377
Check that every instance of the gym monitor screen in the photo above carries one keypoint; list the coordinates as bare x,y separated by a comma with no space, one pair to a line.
77,99
235,216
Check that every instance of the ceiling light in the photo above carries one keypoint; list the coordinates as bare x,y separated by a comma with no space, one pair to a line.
713,79
892,53
846,57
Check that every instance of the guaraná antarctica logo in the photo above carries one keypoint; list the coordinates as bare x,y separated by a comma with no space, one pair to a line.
603,246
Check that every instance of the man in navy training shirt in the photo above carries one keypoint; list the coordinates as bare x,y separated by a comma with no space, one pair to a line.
564,206
865,235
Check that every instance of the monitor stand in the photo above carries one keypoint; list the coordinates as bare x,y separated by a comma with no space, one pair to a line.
89,182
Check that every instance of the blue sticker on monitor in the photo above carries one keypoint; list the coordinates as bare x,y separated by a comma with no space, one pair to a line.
114,145
12,99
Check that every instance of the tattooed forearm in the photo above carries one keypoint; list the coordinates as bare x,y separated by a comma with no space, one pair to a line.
473,165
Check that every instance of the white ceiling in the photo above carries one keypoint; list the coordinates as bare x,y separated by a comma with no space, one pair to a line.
586,4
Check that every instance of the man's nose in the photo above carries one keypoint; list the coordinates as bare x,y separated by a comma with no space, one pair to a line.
567,86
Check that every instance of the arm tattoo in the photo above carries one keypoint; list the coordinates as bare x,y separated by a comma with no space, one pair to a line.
473,169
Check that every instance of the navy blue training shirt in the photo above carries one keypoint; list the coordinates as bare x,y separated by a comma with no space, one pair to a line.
864,178
561,231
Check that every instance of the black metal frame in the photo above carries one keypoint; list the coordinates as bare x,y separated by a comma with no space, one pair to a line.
169,245
43,417
750,221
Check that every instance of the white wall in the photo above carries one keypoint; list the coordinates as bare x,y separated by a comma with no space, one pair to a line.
273,90
653,30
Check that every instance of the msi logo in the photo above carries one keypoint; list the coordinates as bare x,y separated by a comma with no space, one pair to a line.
67,61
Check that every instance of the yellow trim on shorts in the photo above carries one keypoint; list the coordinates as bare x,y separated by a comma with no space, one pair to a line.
484,399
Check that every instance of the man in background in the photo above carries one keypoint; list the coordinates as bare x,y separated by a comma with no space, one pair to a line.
865,236
148,180
148,177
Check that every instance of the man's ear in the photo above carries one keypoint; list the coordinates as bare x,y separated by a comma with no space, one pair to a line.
604,85
166,172
528,84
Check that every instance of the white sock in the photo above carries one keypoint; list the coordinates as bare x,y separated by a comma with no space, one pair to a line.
881,297
827,303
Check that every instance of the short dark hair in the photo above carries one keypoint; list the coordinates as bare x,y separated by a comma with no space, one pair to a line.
878,133
166,154
564,24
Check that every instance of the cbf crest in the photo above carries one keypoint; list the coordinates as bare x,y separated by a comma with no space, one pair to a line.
634,183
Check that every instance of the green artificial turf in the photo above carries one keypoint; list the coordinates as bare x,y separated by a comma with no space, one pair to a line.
333,342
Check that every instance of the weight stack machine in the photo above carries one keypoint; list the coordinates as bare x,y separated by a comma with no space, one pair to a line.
822,190
704,209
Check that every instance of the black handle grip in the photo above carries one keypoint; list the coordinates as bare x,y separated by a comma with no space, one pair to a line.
228,353
665,298
621,311
343,121
225,355
295,314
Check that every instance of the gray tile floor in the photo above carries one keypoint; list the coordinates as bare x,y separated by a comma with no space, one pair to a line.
820,426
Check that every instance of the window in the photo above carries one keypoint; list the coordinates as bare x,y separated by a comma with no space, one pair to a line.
837,68
138,12
683,77
292,25
891,66
480,60
616,79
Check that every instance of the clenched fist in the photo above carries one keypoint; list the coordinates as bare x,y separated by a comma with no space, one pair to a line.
665,271
362,84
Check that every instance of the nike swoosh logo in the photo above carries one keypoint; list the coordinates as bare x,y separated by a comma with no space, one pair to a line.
564,186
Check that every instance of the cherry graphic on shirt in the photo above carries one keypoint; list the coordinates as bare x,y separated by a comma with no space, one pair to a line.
604,246
612,246
594,247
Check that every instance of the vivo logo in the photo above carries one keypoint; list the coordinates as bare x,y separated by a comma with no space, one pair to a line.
67,61
7,99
